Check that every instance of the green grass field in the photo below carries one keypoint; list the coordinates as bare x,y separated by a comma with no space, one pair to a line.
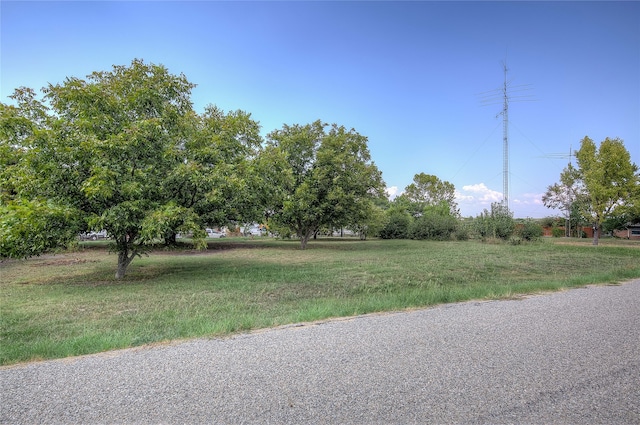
70,304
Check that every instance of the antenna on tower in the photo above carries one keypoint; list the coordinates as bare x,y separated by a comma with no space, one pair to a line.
505,141
571,155
505,95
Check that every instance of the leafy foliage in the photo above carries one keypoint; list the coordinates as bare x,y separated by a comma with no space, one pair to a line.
30,228
397,224
428,191
497,223
435,223
123,151
331,178
529,230
610,179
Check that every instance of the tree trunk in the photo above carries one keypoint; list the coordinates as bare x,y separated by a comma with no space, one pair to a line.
170,239
304,239
595,234
123,262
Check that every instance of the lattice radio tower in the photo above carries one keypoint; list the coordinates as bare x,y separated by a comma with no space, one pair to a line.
505,140
505,95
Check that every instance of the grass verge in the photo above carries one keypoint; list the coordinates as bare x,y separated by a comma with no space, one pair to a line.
69,304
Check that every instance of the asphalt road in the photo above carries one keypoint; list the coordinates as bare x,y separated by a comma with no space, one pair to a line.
567,358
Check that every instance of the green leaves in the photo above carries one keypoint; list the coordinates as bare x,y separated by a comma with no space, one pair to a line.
169,219
104,146
123,151
29,228
329,178
428,190
610,179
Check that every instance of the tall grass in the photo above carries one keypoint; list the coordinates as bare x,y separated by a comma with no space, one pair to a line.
70,304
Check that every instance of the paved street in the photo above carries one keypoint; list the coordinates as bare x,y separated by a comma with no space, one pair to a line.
567,358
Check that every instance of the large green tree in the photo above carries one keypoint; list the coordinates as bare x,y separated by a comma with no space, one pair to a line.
216,176
332,179
610,179
429,191
121,150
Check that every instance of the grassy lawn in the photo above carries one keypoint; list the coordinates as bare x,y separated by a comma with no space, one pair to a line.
70,304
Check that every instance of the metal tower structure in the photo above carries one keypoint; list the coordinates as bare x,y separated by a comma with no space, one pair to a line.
504,95
505,141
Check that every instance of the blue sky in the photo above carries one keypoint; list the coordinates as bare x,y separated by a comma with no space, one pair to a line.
408,75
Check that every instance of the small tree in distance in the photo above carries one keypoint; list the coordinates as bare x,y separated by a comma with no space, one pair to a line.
565,195
497,223
435,223
529,230
429,191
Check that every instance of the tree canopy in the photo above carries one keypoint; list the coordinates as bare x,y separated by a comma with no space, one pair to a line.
429,191
123,151
604,188
610,179
331,178
567,195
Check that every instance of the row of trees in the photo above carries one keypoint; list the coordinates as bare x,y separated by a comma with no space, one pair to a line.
402,219
604,190
426,210
124,151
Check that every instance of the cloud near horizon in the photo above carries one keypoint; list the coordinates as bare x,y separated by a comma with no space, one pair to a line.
529,199
478,193
473,198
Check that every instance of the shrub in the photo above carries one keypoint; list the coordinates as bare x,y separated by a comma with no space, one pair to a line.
515,240
462,232
433,226
557,232
530,230
397,225
498,223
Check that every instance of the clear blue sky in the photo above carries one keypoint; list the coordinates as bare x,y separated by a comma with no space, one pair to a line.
408,75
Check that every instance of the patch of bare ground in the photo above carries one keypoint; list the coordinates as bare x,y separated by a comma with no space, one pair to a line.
62,262
617,244
211,249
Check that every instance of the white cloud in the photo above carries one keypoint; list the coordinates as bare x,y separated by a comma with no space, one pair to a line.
461,197
479,192
392,192
529,199
474,198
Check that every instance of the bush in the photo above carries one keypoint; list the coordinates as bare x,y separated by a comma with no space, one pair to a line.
530,230
557,232
498,223
515,240
397,226
433,226
462,232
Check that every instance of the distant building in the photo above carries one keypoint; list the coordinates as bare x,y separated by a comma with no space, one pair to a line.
631,232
